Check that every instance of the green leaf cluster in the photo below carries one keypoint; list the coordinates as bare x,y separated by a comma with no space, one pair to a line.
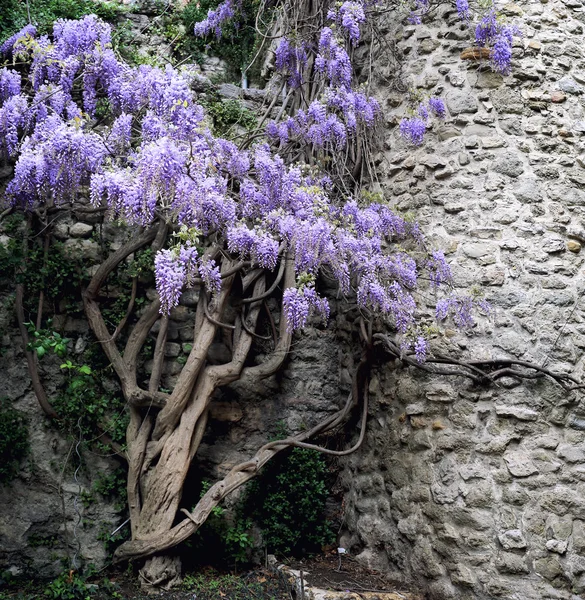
238,40
13,15
68,586
287,501
226,114
222,539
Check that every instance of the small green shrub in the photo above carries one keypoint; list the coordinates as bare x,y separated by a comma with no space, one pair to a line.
226,114
14,443
68,586
287,501
221,540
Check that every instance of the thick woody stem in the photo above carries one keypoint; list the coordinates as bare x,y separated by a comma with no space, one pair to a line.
159,542
30,357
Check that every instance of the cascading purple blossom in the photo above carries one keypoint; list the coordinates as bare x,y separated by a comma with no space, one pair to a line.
491,32
300,304
437,107
291,60
413,130
156,160
7,48
216,18
463,10
210,275
9,84
170,277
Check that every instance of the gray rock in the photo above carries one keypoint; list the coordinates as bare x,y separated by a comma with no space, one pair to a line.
507,562
509,164
461,102
570,86
80,230
230,91
522,413
506,100
519,464
512,539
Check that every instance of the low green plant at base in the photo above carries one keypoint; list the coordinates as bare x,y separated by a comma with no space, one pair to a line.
287,501
222,539
226,114
68,586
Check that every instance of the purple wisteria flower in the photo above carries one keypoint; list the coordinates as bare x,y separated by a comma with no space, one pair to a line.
291,60
350,16
170,278
216,18
413,130
490,32
463,9
487,29
209,272
423,111
421,347
300,304
438,269
7,47
9,84
437,107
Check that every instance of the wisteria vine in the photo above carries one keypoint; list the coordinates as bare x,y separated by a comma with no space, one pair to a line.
156,159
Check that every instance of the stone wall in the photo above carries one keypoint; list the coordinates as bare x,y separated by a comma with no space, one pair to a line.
480,492
50,513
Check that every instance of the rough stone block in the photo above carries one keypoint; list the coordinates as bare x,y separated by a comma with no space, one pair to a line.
522,413
512,539
461,102
548,567
519,464
508,562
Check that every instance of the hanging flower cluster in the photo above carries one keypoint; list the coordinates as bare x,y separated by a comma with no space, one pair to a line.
216,18
156,159
491,32
413,129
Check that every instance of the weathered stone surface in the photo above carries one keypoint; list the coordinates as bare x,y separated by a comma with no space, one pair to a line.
509,164
522,413
512,539
458,102
80,230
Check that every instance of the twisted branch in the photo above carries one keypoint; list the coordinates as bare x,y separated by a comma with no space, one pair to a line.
480,371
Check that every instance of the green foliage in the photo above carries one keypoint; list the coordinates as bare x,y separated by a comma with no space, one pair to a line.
14,444
226,114
236,45
42,541
85,408
287,501
222,539
82,404
211,586
45,340
68,586
13,15
59,273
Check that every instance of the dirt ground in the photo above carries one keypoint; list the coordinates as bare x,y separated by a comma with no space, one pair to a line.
324,571
328,572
